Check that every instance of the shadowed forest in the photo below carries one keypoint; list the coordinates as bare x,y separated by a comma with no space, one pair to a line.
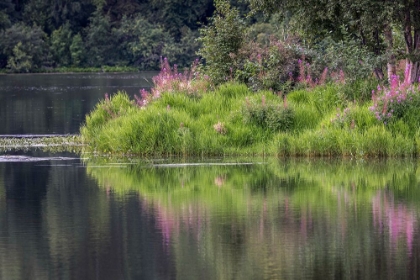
37,35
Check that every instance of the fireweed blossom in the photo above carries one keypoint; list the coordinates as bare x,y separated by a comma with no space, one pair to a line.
388,100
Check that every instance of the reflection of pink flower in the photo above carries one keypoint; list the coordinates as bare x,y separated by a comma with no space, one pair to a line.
397,217
219,181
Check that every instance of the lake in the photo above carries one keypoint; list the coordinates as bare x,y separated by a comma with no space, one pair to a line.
58,103
70,216
219,219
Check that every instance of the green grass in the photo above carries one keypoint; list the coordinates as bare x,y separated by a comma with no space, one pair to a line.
332,120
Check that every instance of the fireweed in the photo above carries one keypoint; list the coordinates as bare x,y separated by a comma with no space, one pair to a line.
392,102
170,80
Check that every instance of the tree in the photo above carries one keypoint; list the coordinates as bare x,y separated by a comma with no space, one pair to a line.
143,43
61,40
77,51
370,22
6,8
174,15
21,41
20,61
99,41
221,41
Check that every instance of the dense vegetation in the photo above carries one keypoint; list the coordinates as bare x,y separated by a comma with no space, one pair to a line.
325,97
40,35
328,120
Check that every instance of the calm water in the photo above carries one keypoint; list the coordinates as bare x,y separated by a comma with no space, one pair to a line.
58,103
81,218
267,220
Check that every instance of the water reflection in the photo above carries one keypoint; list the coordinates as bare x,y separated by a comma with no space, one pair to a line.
300,220
58,103
56,224
277,220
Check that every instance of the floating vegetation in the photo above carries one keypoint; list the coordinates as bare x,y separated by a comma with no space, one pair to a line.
51,143
16,158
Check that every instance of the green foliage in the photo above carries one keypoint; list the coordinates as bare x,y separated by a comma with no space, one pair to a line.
323,98
399,101
142,43
61,41
357,62
173,124
269,65
221,41
332,142
20,61
25,47
77,50
178,15
6,8
37,12
359,90
274,116
96,33
233,121
99,41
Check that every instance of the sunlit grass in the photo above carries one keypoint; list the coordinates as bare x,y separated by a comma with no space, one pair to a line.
231,120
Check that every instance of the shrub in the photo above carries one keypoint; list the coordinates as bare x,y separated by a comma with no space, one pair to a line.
275,117
221,40
273,66
190,82
352,117
401,100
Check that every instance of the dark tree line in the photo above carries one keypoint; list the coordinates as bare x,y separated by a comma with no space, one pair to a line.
38,34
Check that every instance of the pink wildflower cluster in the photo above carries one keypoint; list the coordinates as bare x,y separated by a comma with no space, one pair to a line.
170,80
220,128
305,75
389,101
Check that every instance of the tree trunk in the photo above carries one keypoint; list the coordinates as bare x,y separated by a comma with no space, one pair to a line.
412,42
412,71
379,74
392,69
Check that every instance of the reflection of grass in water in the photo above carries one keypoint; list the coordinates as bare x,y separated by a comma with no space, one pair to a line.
222,188
305,181
287,215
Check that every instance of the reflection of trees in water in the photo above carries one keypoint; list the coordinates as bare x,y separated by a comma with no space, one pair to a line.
56,224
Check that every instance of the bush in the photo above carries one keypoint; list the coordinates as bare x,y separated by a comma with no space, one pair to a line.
25,47
221,41
274,117
400,100
351,117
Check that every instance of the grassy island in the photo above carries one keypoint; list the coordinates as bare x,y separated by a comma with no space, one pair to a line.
291,91
186,118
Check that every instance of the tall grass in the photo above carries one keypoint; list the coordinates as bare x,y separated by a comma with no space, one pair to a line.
183,116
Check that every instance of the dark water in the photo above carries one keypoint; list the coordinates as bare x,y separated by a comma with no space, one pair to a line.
58,103
267,220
